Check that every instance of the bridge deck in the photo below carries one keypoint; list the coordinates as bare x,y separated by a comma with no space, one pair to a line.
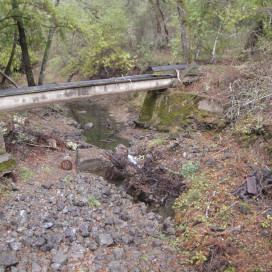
13,99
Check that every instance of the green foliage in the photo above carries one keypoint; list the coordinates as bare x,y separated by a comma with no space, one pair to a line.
267,223
67,179
156,142
190,168
5,191
93,202
103,38
248,130
230,269
194,194
107,37
26,173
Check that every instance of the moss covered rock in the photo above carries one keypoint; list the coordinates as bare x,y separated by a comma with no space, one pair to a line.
7,163
166,109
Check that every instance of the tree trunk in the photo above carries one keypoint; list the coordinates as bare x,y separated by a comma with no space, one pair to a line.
156,16
25,54
215,42
166,33
183,21
69,79
254,36
46,55
204,10
198,47
24,47
46,51
12,54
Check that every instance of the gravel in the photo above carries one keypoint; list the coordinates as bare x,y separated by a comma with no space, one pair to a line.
82,223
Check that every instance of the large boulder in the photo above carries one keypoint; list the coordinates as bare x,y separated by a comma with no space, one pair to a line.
91,159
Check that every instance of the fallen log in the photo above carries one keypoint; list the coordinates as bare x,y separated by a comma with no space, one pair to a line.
66,164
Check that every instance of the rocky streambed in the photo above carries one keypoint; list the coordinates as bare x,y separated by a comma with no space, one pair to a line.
57,220
82,224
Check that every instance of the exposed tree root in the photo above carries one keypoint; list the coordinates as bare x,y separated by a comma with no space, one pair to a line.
151,183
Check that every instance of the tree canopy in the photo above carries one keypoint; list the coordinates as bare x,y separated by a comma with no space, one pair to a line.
107,38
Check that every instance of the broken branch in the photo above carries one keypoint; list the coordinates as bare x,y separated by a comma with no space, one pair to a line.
8,78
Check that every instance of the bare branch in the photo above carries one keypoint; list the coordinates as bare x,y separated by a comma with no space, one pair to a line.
8,78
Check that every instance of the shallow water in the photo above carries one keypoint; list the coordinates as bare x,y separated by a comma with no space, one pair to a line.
105,128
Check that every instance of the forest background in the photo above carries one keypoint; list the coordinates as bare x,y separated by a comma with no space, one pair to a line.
53,41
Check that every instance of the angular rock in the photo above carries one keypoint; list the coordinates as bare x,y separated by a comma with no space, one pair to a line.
2,215
104,239
15,246
24,217
47,223
91,159
47,185
77,252
8,259
88,126
36,267
60,257
92,246
55,267
157,243
125,216
117,210
85,230
127,239
118,254
70,233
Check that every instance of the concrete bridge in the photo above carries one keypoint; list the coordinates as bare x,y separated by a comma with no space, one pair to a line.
14,99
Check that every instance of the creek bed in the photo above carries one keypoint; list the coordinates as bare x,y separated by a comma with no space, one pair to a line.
104,134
